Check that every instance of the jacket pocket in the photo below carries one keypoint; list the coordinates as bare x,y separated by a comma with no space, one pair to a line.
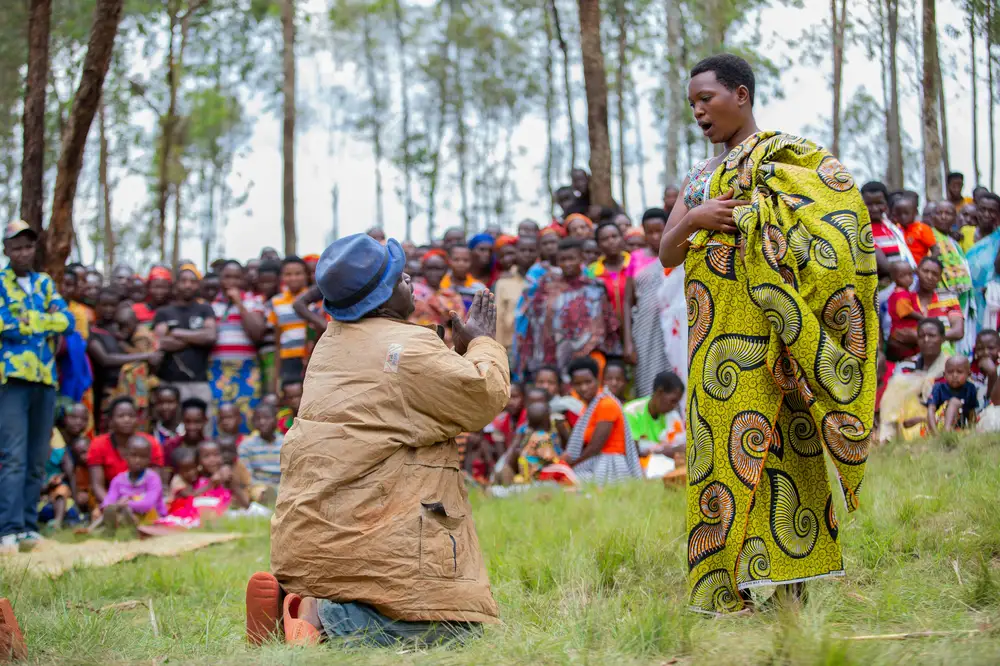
444,543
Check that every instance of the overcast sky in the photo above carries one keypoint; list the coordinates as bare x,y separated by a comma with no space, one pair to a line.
806,103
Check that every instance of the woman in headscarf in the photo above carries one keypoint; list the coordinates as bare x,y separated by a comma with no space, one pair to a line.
903,407
159,284
137,378
433,304
783,336
234,371
612,270
600,447
933,302
659,310
955,275
568,317
484,266
578,226
548,250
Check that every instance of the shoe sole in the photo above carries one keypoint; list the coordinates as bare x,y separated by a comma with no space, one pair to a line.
12,644
263,607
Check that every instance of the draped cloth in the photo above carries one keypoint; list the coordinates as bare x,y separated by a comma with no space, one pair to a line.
603,468
782,341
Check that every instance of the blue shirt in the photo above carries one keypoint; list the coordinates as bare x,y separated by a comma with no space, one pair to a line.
31,323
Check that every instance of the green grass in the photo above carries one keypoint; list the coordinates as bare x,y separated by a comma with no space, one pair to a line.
598,577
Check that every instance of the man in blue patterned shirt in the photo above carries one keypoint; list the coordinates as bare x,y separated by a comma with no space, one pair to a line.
33,316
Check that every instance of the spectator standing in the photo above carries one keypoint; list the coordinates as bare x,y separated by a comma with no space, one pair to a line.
289,327
955,183
186,332
433,304
510,286
33,314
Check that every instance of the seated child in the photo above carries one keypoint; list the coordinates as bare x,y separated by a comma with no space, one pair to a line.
291,397
135,496
985,360
59,490
615,379
241,475
904,310
86,503
953,403
260,454
229,422
216,482
502,430
540,445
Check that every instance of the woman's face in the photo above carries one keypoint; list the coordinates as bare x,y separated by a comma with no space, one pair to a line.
944,217
123,419
570,262
159,292
578,228
232,278
69,283
610,240
107,304
434,270
654,227
482,255
549,381
92,289
548,246
137,291
719,112
585,384
930,275
75,420
506,257
929,340
461,261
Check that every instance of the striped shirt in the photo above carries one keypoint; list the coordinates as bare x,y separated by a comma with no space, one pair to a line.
232,342
290,328
262,458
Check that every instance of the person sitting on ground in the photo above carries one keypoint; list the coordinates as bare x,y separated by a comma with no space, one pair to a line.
903,406
616,379
953,403
166,410
194,412
60,489
86,505
601,448
933,303
261,455
504,426
182,485
656,421
540,446
106,457
217,481
230,424
985,361
135,496
384,402
291,398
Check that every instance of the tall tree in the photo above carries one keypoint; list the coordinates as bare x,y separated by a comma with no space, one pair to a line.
567,88
991,93
943,114
894,135
107,14
674,96
929,101
377,106
288,125
102,180
975,88
550,103
838,20
404,95
33,161
596,86
620,76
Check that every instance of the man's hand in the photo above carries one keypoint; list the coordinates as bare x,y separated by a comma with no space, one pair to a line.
481,320
169,343
235,296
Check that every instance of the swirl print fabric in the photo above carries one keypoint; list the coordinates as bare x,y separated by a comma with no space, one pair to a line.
782,341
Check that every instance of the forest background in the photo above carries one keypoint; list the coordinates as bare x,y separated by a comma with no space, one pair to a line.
154,130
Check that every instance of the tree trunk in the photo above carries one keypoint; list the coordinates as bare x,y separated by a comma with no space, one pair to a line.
675,98
838,18
640,153
943,114
107,14
167,130
33,160
462,147
404,95
975,101
894,172
102,168
620,94
288,126
567,88
376,119
992,94
175,251
596,86
928,108
442,118
550,110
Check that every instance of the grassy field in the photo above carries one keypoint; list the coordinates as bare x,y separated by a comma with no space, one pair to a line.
597,577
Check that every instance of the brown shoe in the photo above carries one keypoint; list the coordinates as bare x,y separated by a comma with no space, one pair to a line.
263,607
12,644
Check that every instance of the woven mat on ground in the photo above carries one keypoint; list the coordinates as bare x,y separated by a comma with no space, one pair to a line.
54,558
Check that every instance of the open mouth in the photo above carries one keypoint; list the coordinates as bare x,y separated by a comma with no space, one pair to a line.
706,127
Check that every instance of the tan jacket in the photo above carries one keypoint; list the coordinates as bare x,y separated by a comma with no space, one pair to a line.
372,505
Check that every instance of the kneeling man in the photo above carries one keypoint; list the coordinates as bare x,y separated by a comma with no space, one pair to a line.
372,537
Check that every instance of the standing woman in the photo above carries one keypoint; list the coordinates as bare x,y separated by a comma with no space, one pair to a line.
234,374
433,303
783,334
159,286
484,266
612,270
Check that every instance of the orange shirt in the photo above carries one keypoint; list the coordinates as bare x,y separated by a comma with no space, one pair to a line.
607,410
920,239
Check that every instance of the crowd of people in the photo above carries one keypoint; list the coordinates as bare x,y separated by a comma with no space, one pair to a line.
163,395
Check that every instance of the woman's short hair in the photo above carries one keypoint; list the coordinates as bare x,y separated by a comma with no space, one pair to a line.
585,363
932,321
601,227
730,70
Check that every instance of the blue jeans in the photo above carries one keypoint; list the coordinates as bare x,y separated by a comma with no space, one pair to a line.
360,624
26,411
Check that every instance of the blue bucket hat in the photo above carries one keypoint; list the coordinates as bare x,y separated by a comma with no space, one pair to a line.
357,274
